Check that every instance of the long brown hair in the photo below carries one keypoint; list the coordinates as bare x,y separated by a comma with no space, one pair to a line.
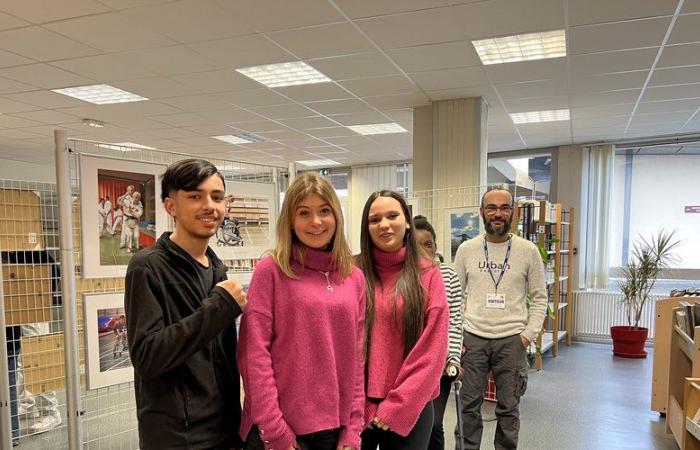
408,285
287,242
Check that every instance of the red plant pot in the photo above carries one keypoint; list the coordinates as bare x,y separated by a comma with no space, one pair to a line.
628,342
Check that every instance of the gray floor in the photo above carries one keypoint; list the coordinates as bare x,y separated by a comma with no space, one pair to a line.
585,399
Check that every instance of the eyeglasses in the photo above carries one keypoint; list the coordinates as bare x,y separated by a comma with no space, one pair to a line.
491,209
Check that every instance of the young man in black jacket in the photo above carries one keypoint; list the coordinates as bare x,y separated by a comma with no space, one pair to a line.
181,312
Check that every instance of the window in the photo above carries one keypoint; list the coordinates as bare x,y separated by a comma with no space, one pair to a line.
532,174
402,175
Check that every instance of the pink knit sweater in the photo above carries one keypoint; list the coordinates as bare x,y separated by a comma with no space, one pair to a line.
401,386
300,352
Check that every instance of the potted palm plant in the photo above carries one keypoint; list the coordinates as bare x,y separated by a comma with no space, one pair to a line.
647,259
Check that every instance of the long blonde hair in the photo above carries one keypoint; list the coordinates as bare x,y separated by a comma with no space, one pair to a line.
287,242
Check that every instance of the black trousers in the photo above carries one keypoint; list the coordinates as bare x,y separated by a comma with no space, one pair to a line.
417,439
437,436
321,440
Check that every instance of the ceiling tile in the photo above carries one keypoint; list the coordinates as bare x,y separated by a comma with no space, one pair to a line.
8,86
675,75
308,123
40,12
253,98
609,82
7,21
232,115
531,89
361,118
331,132
355,66
10,106
172,133
435,56
182,119
124,4
584,12
407,29
359,9
42,45
339,106
271,15
600,122
601,111
288,111
618,36
47,117
664,117
324,40
119,110
464,92
537,104
190,21
44,76
314,92
108,32
686,29
365,87
398,100
157,87
243,51
621,61
449,78
217,81
546,69
14,122
668,106
677,92
691,6
138,123
258,126
8,59
104,68
197,103
176,59
604,98
680,55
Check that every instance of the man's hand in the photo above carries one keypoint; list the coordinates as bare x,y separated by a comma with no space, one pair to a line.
524,341
454,371
236,290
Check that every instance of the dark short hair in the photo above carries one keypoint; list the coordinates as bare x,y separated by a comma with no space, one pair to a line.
421,223
186,175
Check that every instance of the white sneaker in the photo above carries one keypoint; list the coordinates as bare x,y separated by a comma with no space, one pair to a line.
46,423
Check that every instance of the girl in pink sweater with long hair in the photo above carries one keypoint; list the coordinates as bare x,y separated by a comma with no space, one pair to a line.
300,350
407,319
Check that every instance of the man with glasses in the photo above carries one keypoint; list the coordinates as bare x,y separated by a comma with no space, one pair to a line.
498,270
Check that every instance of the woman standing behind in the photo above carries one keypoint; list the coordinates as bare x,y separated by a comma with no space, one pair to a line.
406,328
301,340
425,234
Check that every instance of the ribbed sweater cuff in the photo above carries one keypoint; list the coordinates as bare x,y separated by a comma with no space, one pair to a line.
399,420
350,437
282,442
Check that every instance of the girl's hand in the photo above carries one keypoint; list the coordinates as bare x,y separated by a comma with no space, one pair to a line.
377,422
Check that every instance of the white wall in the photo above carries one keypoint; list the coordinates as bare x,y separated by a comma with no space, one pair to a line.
23,171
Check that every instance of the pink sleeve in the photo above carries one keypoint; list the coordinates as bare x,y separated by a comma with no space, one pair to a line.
350,435
255,360
419,377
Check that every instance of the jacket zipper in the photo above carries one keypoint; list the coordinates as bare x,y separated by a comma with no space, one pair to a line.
329,288
184,401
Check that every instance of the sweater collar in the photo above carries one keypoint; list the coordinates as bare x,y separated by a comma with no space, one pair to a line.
313,259
387,260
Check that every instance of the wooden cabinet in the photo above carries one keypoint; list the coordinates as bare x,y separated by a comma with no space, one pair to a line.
20,220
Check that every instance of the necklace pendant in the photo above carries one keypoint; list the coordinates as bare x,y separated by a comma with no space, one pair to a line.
329,288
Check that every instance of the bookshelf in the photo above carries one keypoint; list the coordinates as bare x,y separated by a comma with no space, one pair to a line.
684,362
549,225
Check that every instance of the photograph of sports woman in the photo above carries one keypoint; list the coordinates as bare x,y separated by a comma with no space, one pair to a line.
301,340
407,319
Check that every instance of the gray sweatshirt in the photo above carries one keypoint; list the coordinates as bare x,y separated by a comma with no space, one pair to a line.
523,271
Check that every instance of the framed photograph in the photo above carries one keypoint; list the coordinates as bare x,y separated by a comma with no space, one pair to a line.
106,349
248,229
121,212
461,224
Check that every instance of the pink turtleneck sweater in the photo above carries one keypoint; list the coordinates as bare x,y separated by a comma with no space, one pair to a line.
300,352
404,386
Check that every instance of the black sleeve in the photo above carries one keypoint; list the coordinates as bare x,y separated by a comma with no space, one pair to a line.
155,348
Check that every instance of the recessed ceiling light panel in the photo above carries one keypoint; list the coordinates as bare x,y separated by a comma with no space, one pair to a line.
284,74
521,47
378,128
100,94
318,162
540,116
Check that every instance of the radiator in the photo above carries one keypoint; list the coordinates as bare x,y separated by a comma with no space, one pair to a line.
596,311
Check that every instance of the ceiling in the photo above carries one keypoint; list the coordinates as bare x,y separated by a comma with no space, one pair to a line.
632,70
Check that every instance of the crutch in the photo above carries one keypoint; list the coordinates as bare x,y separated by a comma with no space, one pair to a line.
456,386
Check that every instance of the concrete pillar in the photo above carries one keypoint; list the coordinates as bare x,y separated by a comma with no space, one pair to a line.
450,144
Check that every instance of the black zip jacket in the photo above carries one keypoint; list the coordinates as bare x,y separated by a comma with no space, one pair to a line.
182,343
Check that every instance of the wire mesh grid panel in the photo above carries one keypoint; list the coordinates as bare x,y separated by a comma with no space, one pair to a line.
31,305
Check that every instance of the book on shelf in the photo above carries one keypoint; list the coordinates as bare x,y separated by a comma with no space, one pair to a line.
696,417
681,321
689,309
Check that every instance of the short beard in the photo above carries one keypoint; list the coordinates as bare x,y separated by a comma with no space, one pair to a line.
493,231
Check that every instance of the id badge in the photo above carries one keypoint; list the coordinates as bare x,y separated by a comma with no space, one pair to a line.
496,301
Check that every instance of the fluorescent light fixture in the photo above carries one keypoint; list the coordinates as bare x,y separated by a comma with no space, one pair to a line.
318,162
231,139
250,137
125,146
521,47
284,74
378,128
93,123
540,116
100,94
